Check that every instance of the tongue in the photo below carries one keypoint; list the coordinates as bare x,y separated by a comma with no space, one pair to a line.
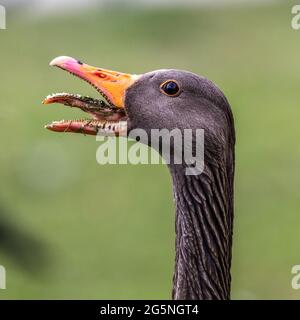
98,109
74,100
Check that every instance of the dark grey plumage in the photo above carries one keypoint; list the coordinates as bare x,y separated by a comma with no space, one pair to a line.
204,203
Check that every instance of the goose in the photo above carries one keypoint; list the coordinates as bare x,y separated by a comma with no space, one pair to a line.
172,99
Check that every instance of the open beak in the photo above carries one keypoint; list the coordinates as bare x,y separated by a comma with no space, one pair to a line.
108,117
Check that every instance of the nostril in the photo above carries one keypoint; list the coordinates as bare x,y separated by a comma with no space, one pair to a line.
99,74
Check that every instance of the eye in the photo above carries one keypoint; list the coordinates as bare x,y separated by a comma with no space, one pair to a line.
170,88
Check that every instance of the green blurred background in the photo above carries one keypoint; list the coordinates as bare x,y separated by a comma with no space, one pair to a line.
70,228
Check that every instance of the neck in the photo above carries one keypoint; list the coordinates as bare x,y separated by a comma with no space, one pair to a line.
204,216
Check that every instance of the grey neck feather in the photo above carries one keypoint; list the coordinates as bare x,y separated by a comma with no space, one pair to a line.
204,218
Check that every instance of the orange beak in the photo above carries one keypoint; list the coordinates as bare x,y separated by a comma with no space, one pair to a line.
111,84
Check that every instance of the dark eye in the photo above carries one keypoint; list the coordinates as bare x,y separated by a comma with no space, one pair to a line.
170,88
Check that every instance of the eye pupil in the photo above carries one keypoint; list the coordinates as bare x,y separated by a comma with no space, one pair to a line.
171,88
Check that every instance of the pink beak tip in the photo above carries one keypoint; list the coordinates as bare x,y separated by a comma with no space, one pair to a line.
59,61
